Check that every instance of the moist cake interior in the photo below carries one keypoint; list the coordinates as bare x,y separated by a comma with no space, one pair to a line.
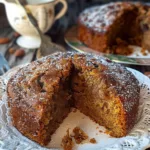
95,99
122,28
56,84
126,28
58,107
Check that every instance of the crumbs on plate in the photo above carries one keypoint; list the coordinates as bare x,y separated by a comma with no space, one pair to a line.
93,141
79,136
67,142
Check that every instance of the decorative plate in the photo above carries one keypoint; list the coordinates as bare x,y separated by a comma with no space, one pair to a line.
137,139
136,58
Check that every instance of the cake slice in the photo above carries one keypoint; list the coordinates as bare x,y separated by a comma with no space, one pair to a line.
104,92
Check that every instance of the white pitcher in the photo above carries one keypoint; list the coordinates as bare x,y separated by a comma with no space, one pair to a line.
42,10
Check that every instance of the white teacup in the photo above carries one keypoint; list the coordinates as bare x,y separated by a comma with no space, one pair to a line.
42,10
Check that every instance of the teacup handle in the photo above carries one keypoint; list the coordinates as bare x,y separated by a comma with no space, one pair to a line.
64,9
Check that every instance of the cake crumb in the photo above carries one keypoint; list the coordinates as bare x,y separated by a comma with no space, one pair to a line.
100,131
107,132
144,51
93,141
123,50
97,127
74,110
79,135
67,142
122,47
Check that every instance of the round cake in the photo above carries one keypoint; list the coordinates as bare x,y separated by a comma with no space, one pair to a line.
41,94
108,27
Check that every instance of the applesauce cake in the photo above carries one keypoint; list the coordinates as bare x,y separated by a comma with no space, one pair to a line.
41,94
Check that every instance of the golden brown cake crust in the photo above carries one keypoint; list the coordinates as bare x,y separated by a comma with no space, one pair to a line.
29,95
33,94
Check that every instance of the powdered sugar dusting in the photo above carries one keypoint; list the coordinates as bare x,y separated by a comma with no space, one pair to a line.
99,18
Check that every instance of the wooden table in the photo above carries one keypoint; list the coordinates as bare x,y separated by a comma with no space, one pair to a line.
11,58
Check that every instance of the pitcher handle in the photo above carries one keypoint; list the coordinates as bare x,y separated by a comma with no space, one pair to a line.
64,9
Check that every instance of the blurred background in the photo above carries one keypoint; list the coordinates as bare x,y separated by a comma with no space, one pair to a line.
74,9
68,20
58,30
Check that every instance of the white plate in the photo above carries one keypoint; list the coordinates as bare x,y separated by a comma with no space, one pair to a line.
138,139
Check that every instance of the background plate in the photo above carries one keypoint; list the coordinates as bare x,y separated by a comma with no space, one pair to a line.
72,40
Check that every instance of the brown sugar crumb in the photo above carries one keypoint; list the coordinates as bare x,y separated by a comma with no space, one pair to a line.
67,142
93,141
79,135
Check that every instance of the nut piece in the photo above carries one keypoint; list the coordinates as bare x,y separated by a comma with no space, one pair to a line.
4,40
93,141
11,50
16,34
19,53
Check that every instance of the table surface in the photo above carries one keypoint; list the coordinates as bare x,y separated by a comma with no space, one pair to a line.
11,58
30,54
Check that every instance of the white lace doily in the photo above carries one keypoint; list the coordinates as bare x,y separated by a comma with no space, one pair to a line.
138,139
